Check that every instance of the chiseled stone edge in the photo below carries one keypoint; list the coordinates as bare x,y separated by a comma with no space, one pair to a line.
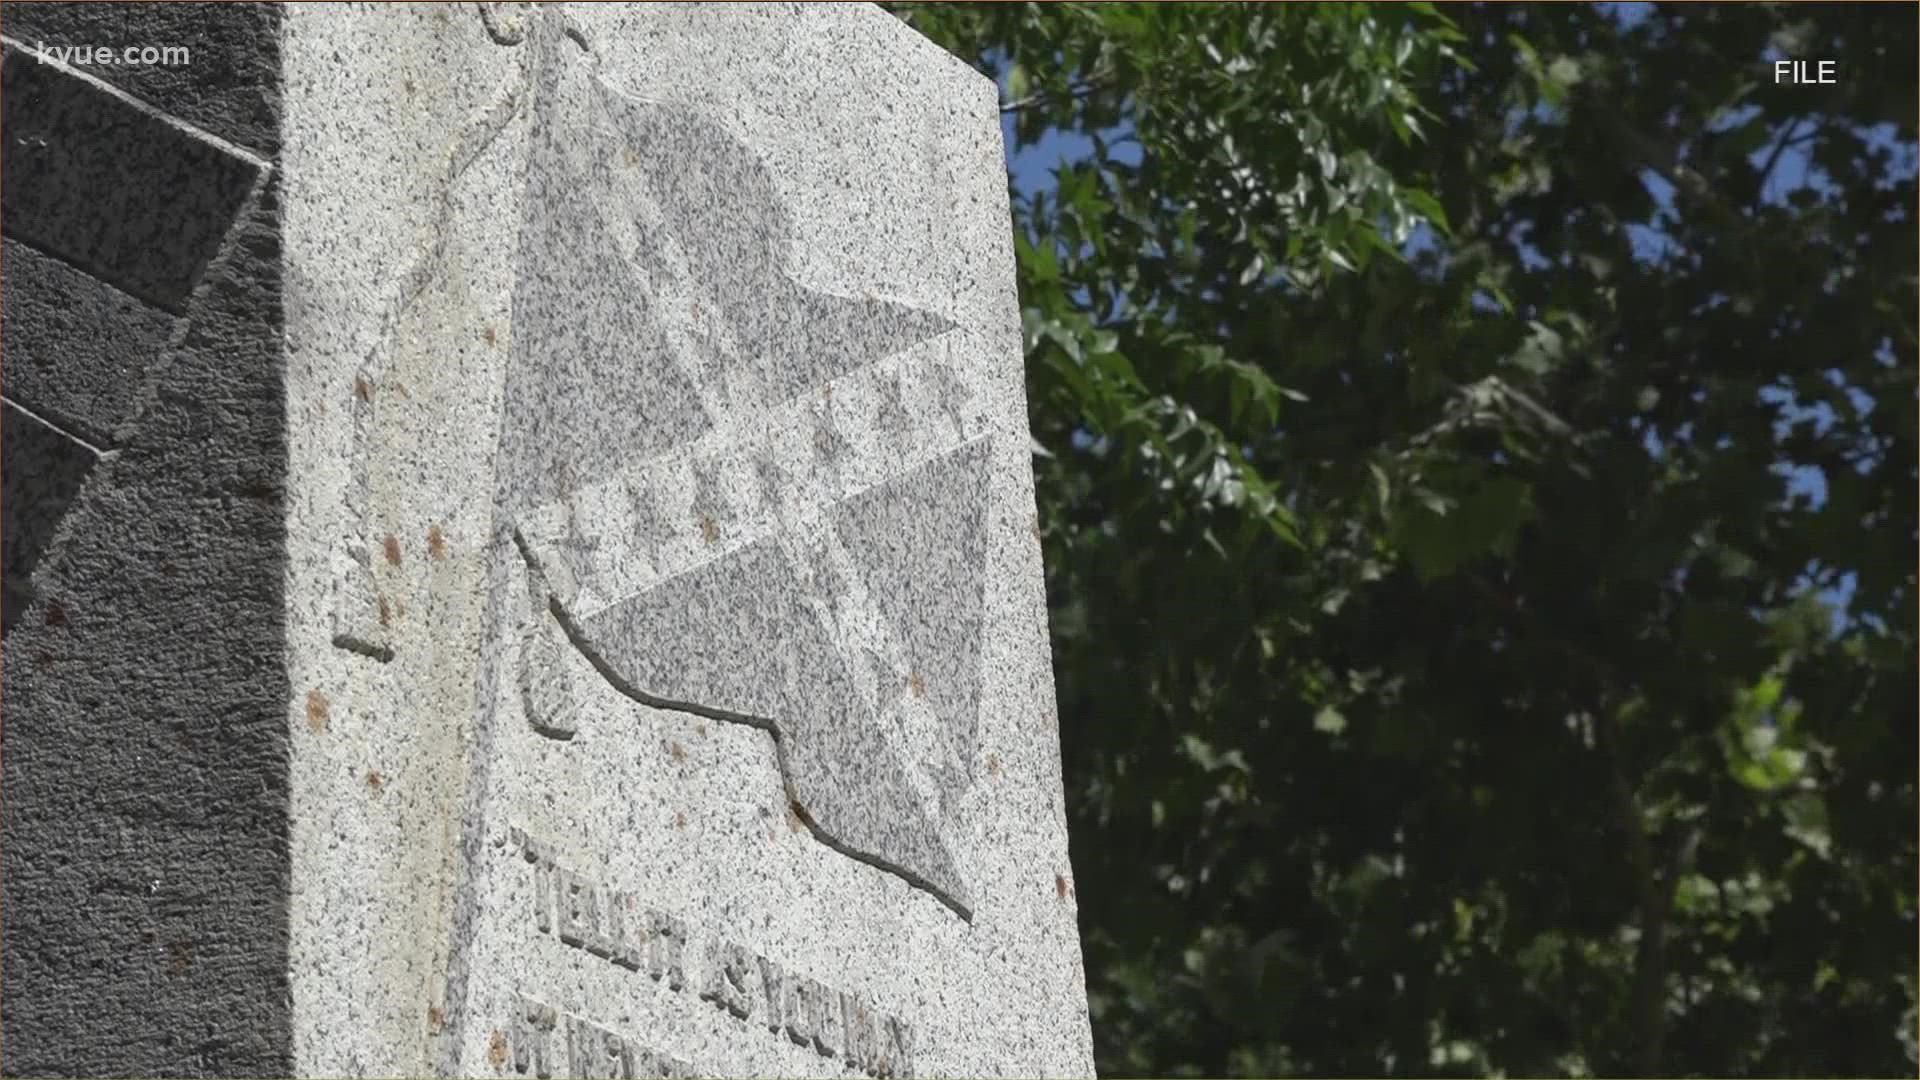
952,895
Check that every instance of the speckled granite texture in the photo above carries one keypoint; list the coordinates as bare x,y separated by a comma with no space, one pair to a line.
547,488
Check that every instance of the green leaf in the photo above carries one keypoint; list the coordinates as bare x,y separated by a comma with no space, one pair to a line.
1485,521
1019,83
1428,208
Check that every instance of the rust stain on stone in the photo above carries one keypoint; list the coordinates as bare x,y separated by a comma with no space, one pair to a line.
385,615
1060,886
436,542
917,684
708,529
318,712
362,389
678,752
993,764
493,336
497,1050
436,1020
392,548
374,781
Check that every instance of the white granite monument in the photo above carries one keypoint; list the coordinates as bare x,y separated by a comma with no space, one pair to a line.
618,420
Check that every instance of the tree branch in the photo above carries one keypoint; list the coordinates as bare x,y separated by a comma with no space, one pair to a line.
1097,81
1647,1008
1663,157
1788,139
1655,882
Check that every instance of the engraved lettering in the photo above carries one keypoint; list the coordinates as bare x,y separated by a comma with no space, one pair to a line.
808,1012
730,976
531,1028
666,949
862,1033
898,1039
824,1018
601,908
536,853
647,1063
773,991
799,1018
815,1017
657,1066
624,940
579,910
612,924
594,1053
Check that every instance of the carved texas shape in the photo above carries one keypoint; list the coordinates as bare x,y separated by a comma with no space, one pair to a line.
653,307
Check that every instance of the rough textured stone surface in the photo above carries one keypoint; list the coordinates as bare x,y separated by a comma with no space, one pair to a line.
41,471
146,748
106,183
230,90
78,348
540,580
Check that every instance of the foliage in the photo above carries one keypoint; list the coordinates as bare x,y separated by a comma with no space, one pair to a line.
1459,672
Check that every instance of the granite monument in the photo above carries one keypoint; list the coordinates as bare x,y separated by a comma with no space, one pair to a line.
519,551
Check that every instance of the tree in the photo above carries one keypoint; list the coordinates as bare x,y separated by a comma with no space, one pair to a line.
1478,501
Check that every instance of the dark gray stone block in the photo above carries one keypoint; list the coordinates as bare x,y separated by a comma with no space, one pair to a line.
111,186
230,86
41,471
145,850
76,347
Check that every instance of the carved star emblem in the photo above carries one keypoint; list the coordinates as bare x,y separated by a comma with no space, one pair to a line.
771,477
953,394
645,210
650,525
893,418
